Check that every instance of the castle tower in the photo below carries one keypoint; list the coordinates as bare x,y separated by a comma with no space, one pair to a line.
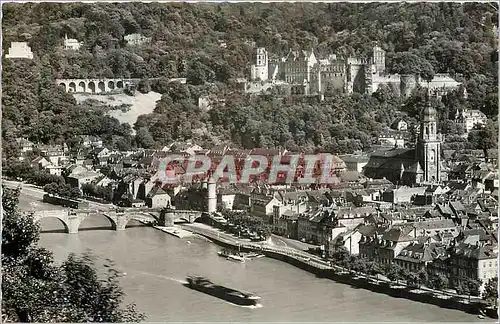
260,71
429,145
379,59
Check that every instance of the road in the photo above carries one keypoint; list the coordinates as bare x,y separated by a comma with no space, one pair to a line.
295,253
287,242
35,194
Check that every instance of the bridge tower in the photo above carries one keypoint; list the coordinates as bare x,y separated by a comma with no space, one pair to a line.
212,196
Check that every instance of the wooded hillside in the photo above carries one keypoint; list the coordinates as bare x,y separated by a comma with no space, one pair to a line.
419,38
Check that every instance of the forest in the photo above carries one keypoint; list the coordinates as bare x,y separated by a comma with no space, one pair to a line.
419,38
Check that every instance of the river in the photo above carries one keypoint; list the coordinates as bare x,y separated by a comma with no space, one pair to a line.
156,263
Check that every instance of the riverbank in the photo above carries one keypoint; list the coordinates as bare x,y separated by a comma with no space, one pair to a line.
322,269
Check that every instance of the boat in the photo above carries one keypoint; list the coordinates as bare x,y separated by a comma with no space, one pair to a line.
236,258
234,296
254,255
224,253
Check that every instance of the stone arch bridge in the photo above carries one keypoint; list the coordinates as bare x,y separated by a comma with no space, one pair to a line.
100,85
71,219
94,85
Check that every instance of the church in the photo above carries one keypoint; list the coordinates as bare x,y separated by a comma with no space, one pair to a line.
411,166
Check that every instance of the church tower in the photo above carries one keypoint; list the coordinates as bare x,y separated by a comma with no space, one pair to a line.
429,145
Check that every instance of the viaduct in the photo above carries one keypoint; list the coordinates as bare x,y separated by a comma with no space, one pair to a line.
93,85
96,86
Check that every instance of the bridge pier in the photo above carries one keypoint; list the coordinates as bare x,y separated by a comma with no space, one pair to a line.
121,222
166,218
73,224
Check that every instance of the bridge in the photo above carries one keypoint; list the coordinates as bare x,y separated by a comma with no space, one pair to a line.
71,218
100,85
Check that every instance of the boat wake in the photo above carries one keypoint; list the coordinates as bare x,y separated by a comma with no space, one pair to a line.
160,276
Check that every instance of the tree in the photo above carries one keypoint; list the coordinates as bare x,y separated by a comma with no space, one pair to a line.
393,272
439,281
35,289
490,293
374,269
469,286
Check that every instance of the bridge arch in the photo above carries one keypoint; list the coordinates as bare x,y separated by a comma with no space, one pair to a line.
111,85
119,84
92,86
61,220
63,85
82,86
101,86
111,221
72,87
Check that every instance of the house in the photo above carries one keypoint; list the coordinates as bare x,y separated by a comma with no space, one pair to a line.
285,222
432,227
386,247
355,162
262,206
25,146
349,240
318,226
471,259
158,198
77,180
136,39
468,118
54,169
402,194
102,181
91,141
352,217
56,154
71,43
40,163
226,197
19,50
417,256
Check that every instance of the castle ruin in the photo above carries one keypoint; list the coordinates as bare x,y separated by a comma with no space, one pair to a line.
305,74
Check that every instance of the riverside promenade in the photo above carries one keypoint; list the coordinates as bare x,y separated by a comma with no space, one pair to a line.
324,269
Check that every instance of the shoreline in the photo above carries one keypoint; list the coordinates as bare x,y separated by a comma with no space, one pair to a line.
311,264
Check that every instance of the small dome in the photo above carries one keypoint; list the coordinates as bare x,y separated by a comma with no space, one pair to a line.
429,113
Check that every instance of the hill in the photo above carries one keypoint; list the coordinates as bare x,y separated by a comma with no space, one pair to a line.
186,39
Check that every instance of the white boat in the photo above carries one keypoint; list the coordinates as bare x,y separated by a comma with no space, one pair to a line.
236,258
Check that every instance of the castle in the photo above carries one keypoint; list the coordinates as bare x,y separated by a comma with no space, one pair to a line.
305,74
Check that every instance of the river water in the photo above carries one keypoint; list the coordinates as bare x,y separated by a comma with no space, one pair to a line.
156,263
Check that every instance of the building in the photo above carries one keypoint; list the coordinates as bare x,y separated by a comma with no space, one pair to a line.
72,44
158,198
468,118
474,260
19,50
411,166
305,74
91,141
355,162
259,71
78,180
136,39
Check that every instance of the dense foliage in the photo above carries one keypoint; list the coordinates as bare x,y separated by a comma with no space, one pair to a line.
35,289
186,39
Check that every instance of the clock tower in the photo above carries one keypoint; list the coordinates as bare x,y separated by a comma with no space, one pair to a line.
429,145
